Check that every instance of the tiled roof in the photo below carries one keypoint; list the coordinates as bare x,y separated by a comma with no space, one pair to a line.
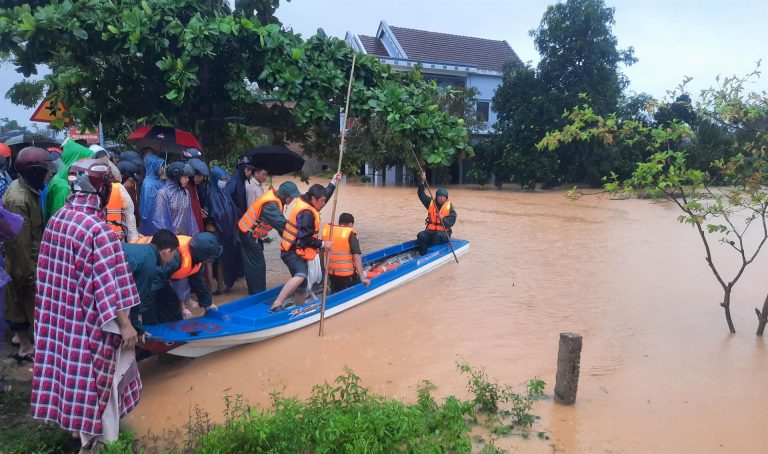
373,46
445,48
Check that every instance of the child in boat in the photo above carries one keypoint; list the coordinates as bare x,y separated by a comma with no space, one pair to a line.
345,263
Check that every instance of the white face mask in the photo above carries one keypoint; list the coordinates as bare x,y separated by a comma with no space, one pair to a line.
222,184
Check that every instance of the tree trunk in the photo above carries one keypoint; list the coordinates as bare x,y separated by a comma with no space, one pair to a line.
727,306
762,319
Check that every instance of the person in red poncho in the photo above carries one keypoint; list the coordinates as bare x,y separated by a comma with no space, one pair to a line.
85,373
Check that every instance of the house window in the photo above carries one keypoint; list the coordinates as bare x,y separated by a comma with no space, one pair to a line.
483,110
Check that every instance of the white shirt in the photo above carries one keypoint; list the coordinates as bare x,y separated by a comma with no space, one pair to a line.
253,190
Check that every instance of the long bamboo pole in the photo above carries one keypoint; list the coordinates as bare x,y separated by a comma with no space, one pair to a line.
433,198
336,193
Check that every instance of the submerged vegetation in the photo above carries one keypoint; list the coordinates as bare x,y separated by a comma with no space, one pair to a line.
338,417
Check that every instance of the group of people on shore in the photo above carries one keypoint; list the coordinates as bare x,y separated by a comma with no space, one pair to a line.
113,243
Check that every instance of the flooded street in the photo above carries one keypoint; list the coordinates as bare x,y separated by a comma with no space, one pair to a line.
659,371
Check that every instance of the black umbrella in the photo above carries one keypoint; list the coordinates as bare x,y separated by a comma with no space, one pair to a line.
19,139
275,159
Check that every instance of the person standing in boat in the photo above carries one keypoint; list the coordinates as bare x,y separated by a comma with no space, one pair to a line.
345,264
440,209
265,214
300,241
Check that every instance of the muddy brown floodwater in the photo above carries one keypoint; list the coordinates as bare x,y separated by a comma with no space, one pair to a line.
659,371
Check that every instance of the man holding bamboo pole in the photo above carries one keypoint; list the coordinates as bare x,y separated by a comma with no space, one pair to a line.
440,218
300,241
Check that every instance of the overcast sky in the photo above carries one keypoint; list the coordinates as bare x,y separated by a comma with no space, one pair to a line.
672,38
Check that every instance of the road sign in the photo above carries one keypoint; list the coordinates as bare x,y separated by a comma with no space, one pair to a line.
89,135
43,112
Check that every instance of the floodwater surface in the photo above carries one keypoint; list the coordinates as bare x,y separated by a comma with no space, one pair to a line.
659,370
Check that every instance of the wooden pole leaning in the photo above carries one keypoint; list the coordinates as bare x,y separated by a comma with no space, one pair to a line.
455,257
336,194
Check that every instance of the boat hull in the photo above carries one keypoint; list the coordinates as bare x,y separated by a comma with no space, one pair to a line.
246,321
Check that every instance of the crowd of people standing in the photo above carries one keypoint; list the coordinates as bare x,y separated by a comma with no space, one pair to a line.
98,245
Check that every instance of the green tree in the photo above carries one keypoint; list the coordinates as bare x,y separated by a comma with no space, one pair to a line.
201,67
372,140
722,205
7,125
579,54
680,110
579,58
525,113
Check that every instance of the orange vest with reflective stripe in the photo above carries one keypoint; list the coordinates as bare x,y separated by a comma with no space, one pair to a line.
251,220
187,269
340,260
291,231
114,210
433,223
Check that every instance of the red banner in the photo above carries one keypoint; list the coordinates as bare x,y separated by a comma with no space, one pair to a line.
90,136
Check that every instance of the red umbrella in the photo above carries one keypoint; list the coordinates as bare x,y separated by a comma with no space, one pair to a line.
163,139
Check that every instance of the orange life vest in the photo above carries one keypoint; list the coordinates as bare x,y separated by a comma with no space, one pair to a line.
114,210
251,220
340,260
187,269
433,223
377,270
291,232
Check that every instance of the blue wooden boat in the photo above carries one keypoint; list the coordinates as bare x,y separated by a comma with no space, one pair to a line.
248,320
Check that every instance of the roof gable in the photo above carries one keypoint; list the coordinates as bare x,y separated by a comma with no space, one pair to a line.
373,46
422,45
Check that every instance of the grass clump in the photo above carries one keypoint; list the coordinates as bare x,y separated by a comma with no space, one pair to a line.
345,418
21,434
490,397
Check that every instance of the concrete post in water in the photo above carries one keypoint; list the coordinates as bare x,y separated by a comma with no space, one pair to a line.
568,365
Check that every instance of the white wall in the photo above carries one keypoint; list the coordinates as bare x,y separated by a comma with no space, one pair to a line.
486,86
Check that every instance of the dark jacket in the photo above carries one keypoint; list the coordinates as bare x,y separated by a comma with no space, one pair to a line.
21,252
148,274
306,224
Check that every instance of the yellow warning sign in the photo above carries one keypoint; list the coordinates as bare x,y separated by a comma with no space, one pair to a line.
43,112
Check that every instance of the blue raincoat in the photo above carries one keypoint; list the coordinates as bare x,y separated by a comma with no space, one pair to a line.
149,188
236,189
222,210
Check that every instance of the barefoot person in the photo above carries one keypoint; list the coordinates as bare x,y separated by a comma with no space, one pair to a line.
300,241
85,373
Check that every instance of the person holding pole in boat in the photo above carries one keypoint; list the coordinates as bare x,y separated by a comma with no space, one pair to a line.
345,264
300,241
265,214
440,218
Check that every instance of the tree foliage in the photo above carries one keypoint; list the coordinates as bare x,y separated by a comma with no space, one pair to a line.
579,58
371,139
201,66
721,203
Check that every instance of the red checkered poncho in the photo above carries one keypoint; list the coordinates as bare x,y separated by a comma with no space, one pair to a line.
83,280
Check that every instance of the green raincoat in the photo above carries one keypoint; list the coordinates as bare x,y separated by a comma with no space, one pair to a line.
58,187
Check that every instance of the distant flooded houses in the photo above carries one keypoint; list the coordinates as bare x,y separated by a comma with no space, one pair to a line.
448,59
